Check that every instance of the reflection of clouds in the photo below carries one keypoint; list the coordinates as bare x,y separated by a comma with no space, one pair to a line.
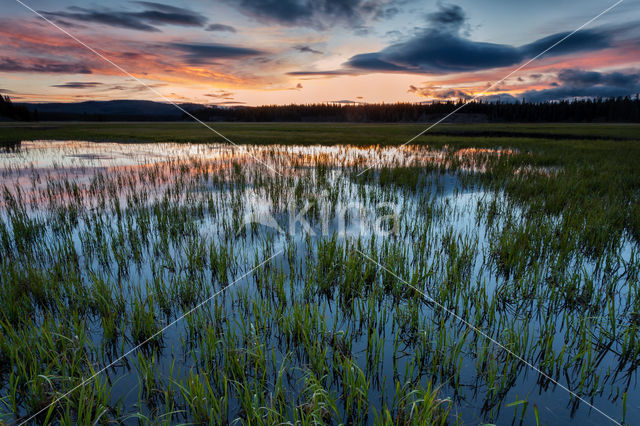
41,166
86,155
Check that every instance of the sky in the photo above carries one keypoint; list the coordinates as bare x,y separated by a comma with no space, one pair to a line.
264,52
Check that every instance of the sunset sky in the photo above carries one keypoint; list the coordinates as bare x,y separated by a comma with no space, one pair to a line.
251,52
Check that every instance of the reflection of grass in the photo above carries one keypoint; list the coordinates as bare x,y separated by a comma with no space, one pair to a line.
593,184
545,264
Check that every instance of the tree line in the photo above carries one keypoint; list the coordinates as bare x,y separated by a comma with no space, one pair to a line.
16,112
622,109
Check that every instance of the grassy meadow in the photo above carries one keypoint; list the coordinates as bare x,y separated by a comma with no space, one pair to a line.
483,274
286,133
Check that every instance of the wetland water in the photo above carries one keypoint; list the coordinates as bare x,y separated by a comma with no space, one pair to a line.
105,244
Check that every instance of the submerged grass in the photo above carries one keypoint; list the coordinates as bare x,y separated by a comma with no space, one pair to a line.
533,241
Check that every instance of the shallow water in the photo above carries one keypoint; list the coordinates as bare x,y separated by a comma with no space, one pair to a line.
102,196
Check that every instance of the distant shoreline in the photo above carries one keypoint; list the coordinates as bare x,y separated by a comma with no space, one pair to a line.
360,134
609,110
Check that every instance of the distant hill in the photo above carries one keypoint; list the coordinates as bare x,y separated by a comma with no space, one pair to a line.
110,110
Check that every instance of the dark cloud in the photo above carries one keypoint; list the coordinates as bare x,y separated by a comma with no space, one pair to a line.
307,49
362,30
135,88
455,94
220,27
69,24
580,78
229,103
40,65
437,52
569,92
203,53
440,48
105,17
161,14
574,83
500,97
78,85
319,14
373,62
437,92
394,34
447,18
7,91
578,42
343,101
131,55
220,94
386,13
145,20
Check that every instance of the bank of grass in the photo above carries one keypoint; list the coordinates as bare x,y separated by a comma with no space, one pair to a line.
291,133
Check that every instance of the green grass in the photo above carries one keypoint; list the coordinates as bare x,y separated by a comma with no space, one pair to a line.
540,251
282,133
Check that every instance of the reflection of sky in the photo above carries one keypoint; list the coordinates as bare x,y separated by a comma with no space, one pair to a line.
247,53
458,214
